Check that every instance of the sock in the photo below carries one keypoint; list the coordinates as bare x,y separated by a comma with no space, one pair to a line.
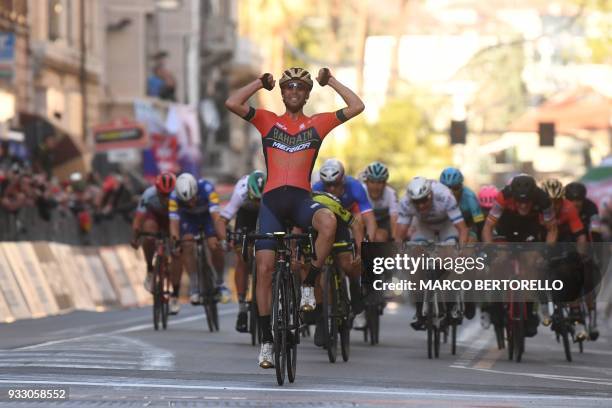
241,298
356,297
312,275
243,306
266,329
175,290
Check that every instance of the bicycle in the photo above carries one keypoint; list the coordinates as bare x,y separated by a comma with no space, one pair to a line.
336,307
204,283
251,292
161,280
285,302
373,304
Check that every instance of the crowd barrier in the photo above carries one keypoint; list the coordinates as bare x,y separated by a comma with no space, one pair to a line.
62,226
39,279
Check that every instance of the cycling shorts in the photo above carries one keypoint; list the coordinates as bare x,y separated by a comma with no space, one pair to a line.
246,221
284,207
194,224
162,221
444,232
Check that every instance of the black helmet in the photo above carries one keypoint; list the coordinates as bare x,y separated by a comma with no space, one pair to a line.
575,191
523,186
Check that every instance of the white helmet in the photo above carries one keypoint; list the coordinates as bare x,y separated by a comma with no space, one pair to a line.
419,187
331,171
76,177
186,187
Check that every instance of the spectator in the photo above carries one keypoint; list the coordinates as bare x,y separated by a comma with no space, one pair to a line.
161,83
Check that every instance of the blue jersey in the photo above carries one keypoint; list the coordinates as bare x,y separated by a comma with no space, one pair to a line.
354,195
470,208
207,201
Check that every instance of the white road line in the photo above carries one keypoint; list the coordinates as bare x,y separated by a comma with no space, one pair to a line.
434,394
120,331
586,380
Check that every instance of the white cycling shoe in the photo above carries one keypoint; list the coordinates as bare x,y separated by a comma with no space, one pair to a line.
225,295
360,321
308,303
174,305
266,355
148,282
581,333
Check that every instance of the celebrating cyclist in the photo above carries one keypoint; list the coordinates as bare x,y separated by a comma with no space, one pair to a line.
244,205
291,143
194,208
383,199
152,217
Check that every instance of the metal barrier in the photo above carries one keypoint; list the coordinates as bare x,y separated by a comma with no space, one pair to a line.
63,227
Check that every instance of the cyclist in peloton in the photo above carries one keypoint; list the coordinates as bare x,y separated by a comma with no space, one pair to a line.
383,199
354,198
346,224
576,192
291,143
244,205
430,208
194,206
570,229
468,202
516,216
486,198
152,217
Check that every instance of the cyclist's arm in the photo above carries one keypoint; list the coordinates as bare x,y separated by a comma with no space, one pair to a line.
220,225
237,101
393,222
552,232
463,231
174,217
401,232
354,103
370,223
487,229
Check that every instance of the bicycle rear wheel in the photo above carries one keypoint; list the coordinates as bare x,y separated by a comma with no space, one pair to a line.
279,324
518,330
566,344
330,313
165,307
453,338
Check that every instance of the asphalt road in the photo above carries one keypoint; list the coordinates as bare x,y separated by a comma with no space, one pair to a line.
117,359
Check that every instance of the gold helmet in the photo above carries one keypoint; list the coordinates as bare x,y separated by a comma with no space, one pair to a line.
296,73
553,188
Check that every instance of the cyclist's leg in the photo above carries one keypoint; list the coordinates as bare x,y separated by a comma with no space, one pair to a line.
189,229
324,222
269,221
148,248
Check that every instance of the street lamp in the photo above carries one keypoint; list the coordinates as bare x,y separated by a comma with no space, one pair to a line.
168,4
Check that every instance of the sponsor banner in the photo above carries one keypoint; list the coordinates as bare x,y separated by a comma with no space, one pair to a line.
118,277
89,278
134,266
31,279
109,297
11,291
72,275
120,134
56,279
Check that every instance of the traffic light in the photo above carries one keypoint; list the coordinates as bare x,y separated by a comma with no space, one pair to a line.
546,130
458,131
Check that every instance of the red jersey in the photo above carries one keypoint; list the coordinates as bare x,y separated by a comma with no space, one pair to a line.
542,206
291,146
568,216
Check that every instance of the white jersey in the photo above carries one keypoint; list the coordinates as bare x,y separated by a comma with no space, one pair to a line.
444,208
387,202
240,198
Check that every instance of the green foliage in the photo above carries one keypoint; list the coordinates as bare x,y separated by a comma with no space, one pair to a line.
400,138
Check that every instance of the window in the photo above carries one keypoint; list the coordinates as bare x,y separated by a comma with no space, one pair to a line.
56,8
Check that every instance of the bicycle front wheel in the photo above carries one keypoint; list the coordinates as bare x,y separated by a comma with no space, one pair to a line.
279,324
330,313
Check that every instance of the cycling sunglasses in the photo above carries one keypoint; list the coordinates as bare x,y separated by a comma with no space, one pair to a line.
420,201
295,85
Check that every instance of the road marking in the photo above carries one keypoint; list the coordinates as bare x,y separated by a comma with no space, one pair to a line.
121,331
434,394
489,359
586,380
